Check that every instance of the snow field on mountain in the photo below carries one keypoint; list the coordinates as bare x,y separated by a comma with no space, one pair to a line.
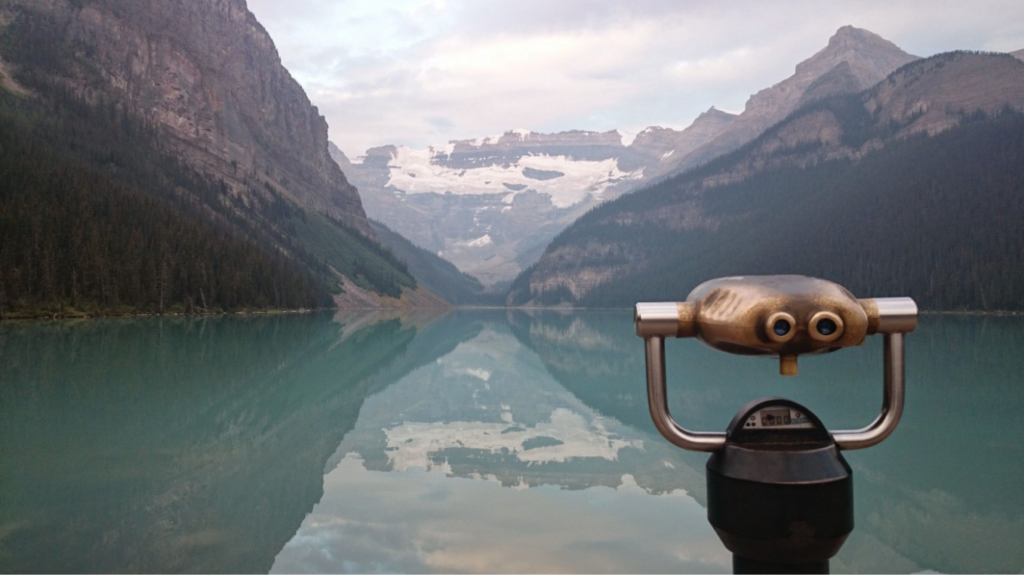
414,172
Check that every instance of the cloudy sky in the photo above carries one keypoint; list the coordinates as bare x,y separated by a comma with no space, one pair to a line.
423,72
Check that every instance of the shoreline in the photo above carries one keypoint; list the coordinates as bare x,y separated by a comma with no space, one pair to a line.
563,310
91,317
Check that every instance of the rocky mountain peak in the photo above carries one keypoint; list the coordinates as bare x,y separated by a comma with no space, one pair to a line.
853,59
715,115
667,145
870,57
850,36
378,156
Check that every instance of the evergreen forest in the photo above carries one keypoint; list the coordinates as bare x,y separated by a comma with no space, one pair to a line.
97,217
74,242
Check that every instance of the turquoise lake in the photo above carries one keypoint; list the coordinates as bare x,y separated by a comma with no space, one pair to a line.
476,441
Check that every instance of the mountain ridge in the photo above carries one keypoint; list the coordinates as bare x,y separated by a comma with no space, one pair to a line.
491,204
856,59
960,93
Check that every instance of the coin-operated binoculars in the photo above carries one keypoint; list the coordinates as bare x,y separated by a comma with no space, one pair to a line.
780,494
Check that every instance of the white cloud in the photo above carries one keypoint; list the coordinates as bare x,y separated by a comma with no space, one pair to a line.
422,72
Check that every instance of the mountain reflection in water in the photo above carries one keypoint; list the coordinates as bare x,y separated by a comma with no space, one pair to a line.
174,445
478,441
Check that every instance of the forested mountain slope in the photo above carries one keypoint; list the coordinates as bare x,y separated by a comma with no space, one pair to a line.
434,273
74,241
912,187
97,219
200,223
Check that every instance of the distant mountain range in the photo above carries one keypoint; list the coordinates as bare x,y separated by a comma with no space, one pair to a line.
491,205
910,187
230,197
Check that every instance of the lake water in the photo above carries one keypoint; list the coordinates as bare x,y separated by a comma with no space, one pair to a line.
478,441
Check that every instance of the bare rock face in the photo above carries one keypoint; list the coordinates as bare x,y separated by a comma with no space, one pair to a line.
208,74
513,145
666,146
854,60
936,94
840,80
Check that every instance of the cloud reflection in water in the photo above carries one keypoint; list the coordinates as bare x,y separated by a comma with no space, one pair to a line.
418,521
482,462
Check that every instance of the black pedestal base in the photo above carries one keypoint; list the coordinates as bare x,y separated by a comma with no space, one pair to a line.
745,566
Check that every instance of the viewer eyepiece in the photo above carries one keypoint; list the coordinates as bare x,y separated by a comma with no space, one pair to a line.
780,327
825,327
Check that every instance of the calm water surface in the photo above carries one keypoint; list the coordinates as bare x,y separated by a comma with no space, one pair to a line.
478,441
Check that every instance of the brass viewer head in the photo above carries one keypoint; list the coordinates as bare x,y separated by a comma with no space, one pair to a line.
781,316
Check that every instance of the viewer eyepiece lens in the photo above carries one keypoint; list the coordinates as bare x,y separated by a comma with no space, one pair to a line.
827,327
779,327
782,327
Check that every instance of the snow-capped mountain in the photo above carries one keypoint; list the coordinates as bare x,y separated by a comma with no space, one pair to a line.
492,204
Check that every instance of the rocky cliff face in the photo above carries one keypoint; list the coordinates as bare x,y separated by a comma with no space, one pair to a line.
935,95
513,145
666,146
208,74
